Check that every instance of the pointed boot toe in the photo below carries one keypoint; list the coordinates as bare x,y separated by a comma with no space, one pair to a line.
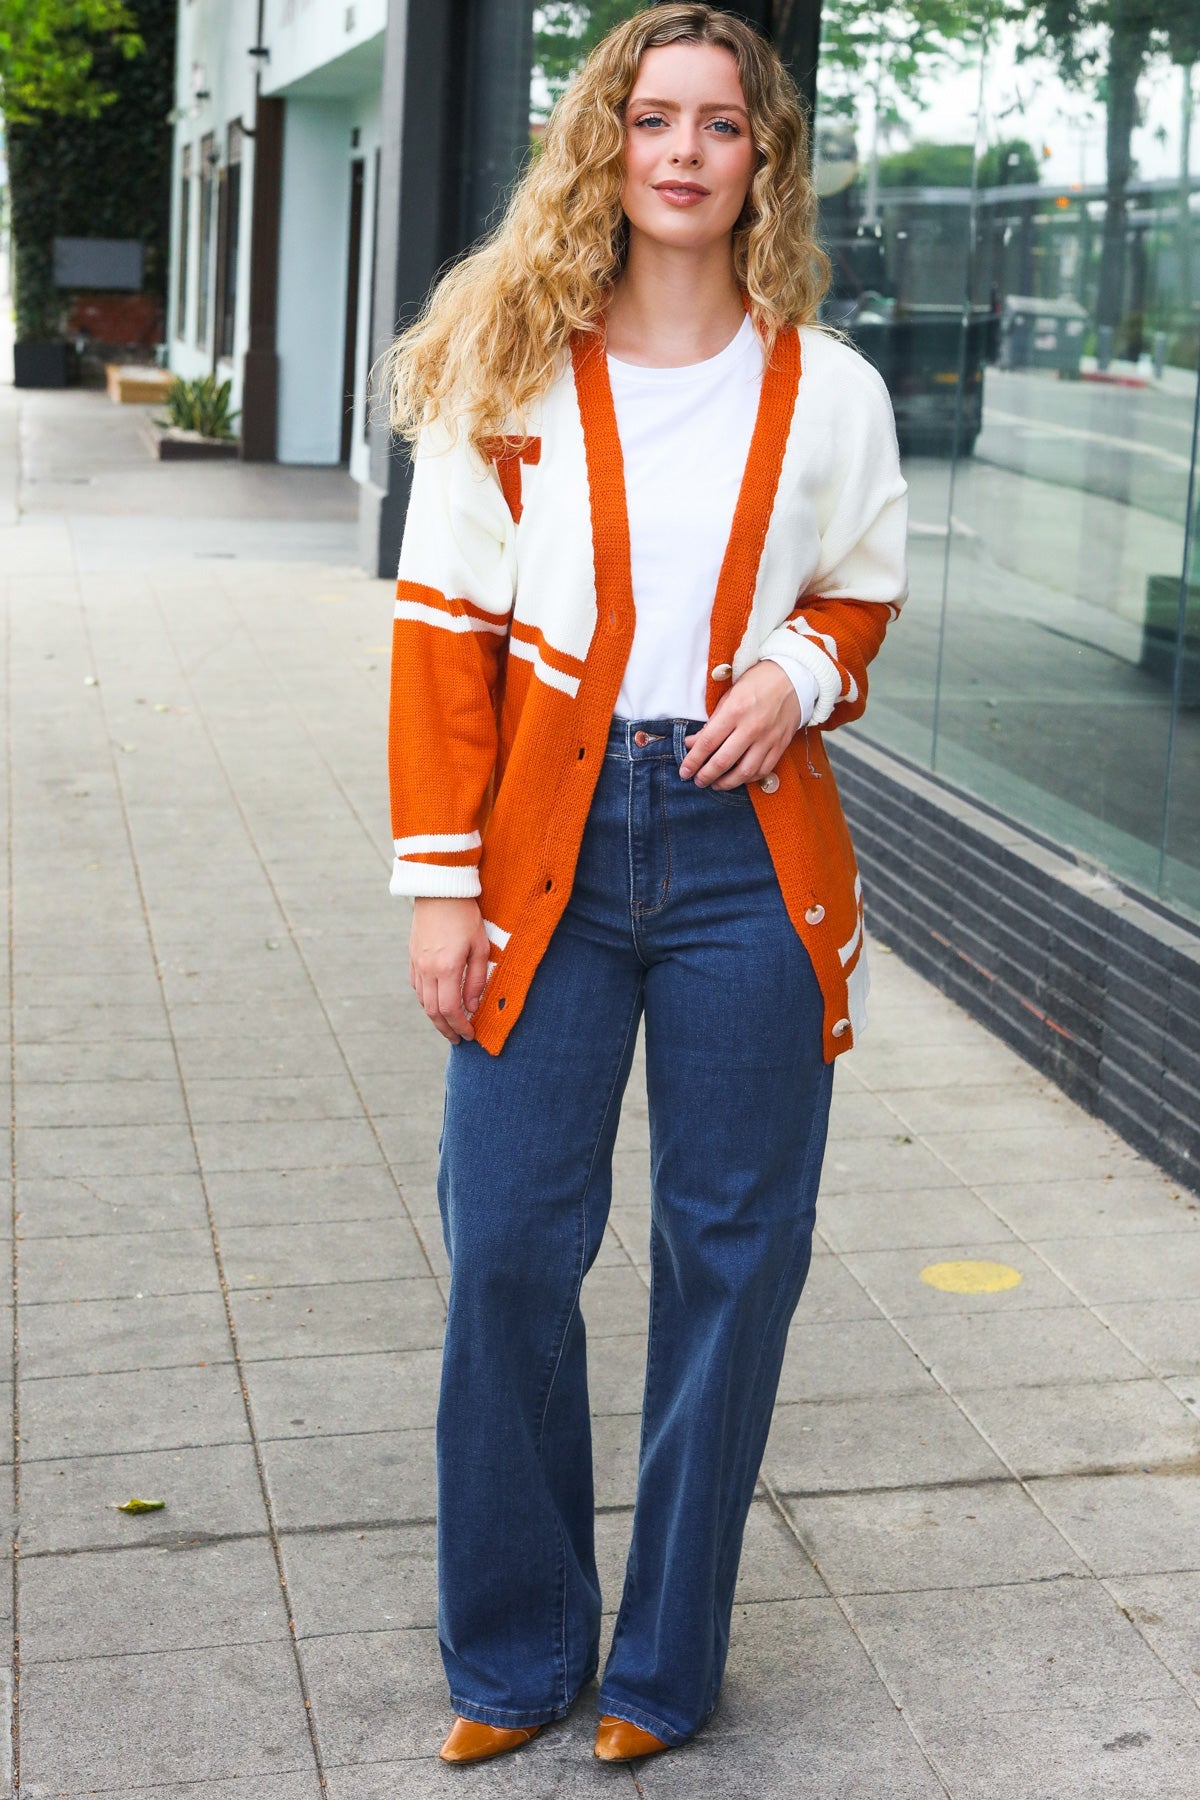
469,1741
619,1741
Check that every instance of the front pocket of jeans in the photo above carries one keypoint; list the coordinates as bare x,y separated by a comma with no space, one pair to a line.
738,796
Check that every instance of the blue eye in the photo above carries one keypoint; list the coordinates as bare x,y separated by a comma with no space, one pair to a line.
650,119
729,126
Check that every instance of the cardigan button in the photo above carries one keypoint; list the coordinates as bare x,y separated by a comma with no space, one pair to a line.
769,783
841,1028
815,914
722,672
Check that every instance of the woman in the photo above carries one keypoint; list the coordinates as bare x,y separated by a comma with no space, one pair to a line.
655,536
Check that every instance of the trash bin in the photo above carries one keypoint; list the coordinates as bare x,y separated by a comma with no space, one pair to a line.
1042,334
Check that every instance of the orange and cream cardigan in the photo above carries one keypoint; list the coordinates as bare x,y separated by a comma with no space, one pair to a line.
514,618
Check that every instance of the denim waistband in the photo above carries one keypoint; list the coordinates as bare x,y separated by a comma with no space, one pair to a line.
658,737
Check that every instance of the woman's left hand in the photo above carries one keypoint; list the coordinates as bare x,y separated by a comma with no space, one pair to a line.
750,728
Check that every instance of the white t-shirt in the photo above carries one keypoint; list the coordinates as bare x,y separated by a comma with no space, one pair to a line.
685,434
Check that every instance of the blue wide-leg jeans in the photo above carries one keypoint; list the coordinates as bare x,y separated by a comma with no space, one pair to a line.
676,912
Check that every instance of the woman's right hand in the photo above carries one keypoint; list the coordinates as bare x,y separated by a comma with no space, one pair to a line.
447,962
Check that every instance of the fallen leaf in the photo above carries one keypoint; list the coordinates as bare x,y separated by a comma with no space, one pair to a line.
135,1505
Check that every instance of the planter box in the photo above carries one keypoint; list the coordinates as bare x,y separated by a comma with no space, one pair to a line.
48,365
170,444
137,383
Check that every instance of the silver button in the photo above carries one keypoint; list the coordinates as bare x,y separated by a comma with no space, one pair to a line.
722,672
815,914
769,783
841,1028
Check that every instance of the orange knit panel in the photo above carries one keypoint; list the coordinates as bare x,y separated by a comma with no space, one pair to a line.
441,721
508,454
752,514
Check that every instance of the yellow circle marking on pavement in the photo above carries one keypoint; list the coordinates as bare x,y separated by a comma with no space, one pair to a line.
970,1277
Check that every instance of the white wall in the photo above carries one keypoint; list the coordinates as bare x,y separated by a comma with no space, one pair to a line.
212,44
310,323
304,35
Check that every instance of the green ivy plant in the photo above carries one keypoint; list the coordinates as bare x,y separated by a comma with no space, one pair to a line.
201,405
47,55
89,138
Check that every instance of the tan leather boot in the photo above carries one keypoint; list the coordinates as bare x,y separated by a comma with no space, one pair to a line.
619,1741
469,1741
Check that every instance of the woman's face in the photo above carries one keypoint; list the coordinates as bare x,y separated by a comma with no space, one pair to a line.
689,156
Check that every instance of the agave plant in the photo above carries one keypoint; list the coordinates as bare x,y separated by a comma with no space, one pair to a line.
201,405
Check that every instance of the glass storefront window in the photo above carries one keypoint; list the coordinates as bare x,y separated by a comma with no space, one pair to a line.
1014,219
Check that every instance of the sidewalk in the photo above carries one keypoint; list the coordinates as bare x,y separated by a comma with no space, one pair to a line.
973,1566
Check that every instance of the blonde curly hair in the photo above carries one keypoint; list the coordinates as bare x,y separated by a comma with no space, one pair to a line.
497,326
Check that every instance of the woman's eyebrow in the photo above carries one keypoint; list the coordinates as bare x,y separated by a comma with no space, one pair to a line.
673,105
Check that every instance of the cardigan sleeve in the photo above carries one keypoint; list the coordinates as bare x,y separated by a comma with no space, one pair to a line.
454,594
860,582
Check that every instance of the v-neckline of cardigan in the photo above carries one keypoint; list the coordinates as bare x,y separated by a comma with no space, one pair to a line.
752,512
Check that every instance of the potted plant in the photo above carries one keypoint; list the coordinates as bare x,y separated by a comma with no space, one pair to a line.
199,421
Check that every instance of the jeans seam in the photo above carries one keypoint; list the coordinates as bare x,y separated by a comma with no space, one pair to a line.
647,1389
567,1316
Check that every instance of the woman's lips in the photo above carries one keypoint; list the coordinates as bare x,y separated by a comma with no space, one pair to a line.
680,193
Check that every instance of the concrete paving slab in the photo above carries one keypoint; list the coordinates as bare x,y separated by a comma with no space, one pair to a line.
104,1150
316,1396
71,1504
923,1218
125,1721
290,1197
1136,1266
935,1538
615,1301
616,1374
1109,1207
1128,1524
364,1580
558,1765
295,1144
124,1602
377,1694
896,1441
1142,1749
342,1318
981,1651
122,1102
1166,1610
96,1206
980,1107
363,1477
75,1337
1032,1153
849,1360
299,1786
1043,1347
1164,1333
894,1164
893,1279
114,1264
831,1292
241,1100
1094,1425
801,1710
353,1249
138,1409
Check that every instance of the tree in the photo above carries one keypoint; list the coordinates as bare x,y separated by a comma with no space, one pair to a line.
1107,45
566,31
47,55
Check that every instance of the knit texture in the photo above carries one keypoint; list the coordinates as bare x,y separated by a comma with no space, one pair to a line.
503,688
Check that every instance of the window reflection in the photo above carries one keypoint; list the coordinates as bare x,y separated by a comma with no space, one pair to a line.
1012,218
